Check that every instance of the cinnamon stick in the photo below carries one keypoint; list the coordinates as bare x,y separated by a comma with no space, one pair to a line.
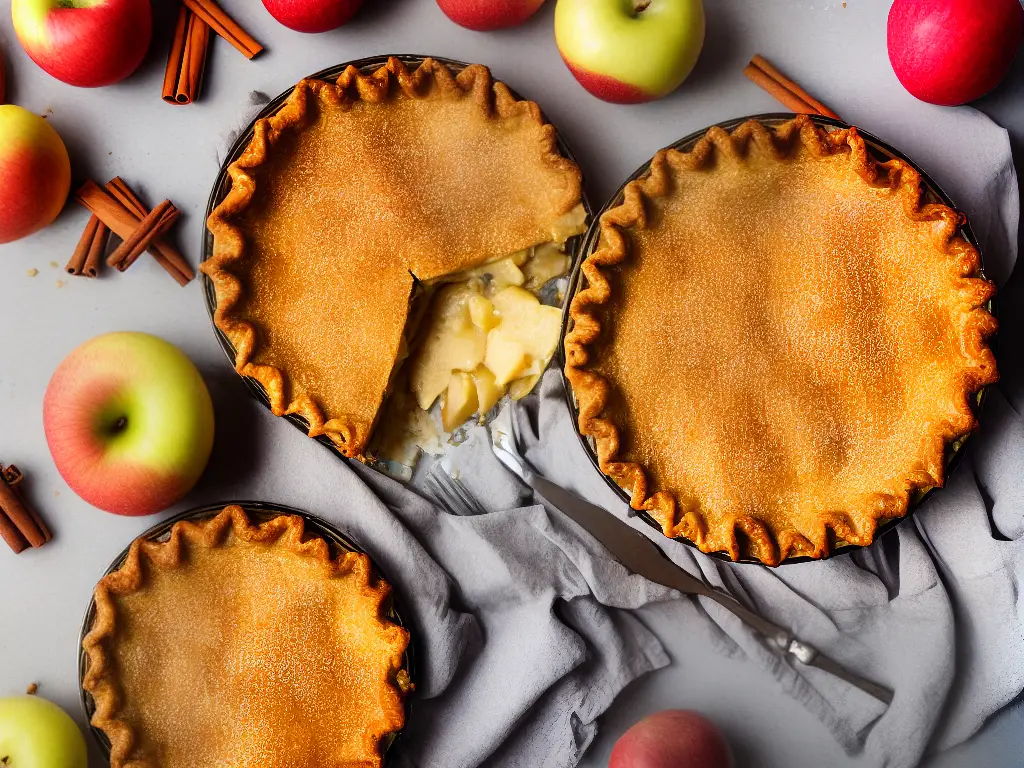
225,26
14,510
9,533
96,251
766,66
14,479
123,222
788,93
166,256
186,61
155,223
77,264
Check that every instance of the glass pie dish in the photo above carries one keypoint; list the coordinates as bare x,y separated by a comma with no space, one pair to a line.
879,151
258,512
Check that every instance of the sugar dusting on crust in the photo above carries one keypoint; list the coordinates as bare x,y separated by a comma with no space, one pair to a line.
787,342
242,645
347,190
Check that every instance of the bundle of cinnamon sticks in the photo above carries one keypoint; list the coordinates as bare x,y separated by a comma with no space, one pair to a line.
787,92
20,525
186,62
116,208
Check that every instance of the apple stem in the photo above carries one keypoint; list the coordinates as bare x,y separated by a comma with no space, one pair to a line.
639,6
119,425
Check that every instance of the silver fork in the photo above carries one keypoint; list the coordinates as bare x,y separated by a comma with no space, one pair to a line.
642,556
451,493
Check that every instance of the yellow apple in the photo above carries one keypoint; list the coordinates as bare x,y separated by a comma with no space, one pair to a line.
36,173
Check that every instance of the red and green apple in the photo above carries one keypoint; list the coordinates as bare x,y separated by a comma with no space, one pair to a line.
630,51
35,170
486,15
129,422
312,15
88,43
950,52
672,739
36,733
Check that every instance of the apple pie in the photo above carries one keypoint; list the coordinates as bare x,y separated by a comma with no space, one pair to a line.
390,217
777,338
244,645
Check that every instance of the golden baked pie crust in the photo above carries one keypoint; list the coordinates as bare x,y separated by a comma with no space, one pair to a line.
496,184
614,386
242,681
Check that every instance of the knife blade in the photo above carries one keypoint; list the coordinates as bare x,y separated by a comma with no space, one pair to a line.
642,556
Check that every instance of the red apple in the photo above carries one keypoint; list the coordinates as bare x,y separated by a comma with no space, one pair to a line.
88,43
630,51
485,15
950,52
312,15
674,738
129,422
35,170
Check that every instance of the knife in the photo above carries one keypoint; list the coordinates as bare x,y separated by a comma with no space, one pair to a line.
642,556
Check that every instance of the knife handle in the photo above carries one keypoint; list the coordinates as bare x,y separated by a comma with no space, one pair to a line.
775,634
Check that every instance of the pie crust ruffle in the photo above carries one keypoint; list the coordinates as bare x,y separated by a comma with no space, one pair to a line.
749,536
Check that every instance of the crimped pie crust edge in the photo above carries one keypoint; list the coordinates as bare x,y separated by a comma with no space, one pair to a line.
349,434
288,531
593,391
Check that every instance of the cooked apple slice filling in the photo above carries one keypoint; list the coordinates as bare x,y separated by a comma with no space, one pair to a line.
473,338
487,335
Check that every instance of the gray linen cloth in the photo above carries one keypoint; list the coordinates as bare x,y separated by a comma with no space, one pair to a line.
523,622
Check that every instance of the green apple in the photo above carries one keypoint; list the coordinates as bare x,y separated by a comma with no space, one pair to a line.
630,51
36,733
129,422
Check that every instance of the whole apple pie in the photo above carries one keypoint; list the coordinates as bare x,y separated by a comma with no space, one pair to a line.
244,645
777,338
389,234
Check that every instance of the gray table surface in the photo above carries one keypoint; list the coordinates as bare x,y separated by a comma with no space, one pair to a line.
175,152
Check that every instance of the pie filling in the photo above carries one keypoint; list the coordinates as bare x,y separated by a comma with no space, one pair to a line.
473,338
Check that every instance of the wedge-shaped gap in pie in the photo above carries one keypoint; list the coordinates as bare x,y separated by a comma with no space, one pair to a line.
389,234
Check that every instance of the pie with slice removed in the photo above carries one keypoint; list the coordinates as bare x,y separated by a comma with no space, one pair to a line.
777,338
353,207
244,645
